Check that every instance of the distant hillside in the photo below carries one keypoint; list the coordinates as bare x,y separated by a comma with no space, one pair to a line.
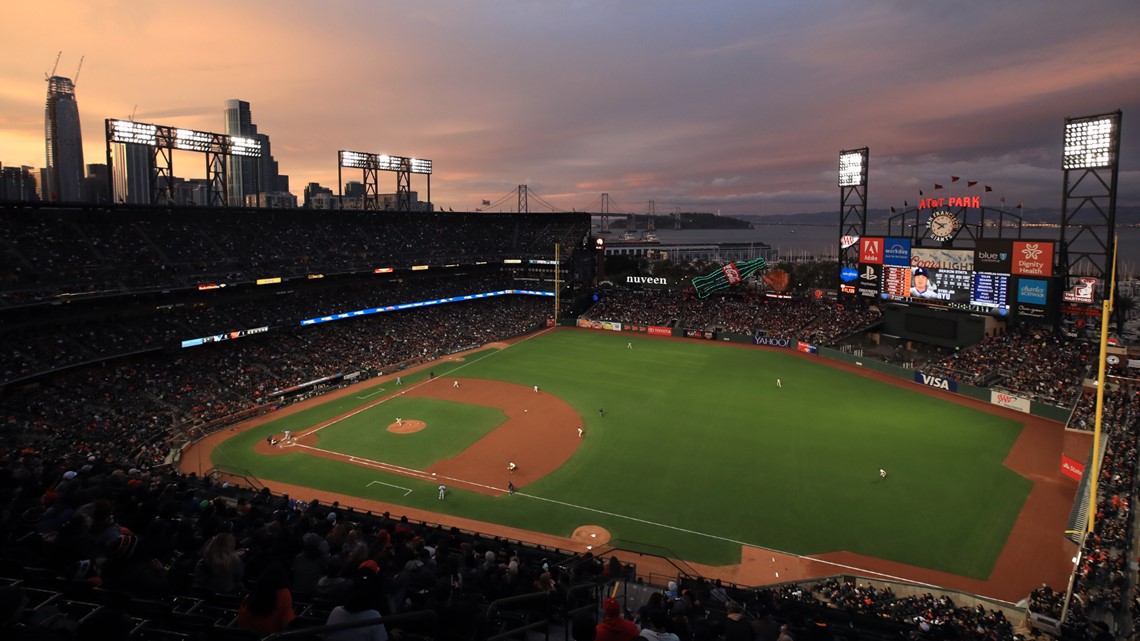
689,220
1125,216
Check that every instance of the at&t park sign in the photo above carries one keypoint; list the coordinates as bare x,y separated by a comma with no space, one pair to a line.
951,201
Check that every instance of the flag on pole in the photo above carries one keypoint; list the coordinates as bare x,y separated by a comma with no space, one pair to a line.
937,186
1019,204
892,210
486,203
971,183
920,192
906,204
953,179
988,188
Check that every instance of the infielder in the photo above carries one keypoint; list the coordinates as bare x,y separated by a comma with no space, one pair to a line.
442,490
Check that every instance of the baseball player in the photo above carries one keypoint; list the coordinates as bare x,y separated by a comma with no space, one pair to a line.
579,432
779,383
882,474
455,384
511,467
399,421
442,490
510,487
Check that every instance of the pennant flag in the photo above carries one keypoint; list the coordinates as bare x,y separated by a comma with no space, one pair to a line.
920,192
1019,205
906,204
988,188
971,183
892,210
937,186
486,203
953,179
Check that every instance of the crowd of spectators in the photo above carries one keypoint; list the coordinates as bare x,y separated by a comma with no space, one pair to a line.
1100,582
748,313
38,343
52,252
134,402
188,553
819,611
1029,362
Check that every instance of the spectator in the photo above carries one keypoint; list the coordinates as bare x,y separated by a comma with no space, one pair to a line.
268,607
361,605
613,626
221,568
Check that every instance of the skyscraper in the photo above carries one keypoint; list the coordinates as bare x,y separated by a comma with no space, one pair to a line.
248,176
64,142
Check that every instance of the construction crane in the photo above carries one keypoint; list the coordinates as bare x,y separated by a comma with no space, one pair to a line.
75,80
47,76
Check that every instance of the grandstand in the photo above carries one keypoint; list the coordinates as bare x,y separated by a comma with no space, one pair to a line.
131,333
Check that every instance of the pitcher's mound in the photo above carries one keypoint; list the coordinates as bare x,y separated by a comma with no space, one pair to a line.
592,535
406,427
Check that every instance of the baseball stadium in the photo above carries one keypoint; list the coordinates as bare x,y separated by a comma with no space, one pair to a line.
500,422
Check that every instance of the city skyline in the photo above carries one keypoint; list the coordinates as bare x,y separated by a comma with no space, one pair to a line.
724,107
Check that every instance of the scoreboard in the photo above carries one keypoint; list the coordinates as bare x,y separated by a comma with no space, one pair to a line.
1009,278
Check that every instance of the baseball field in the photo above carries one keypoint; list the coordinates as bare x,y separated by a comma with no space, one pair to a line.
698,454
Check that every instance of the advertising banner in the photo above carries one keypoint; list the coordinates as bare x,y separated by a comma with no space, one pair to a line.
871,251
1033,258
1004,399
929,380
896,251
699,333
769,341
660,331
1083,291
806,348
1072,468
1030,298
597,324
870,277
993,255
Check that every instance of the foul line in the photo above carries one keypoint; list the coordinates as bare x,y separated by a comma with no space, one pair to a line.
378,391
412,386
729,540
388,467
398,487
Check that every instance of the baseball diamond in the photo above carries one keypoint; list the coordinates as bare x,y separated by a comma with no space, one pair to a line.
696,455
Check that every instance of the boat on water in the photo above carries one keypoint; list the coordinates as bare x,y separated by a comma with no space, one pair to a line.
646,238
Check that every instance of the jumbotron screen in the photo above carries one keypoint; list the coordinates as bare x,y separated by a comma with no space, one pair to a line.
998,277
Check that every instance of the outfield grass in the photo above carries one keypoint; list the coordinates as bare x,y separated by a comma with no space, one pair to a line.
700,452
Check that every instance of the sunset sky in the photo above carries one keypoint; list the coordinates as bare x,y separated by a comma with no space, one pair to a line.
734,106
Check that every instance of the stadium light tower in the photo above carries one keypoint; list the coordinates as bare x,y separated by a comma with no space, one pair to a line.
371,164
163,141
852,202
1088,206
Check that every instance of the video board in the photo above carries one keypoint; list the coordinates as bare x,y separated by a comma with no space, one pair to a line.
998,276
